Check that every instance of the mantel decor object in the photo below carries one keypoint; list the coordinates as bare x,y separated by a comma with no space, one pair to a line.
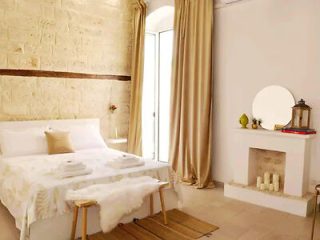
273,105
300,121
301,115
244,120
255,123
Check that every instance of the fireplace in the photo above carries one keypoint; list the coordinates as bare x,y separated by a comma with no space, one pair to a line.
263,160
258,151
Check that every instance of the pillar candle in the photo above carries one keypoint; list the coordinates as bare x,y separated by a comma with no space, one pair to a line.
259,181
262,187
276,186
270,187
267,179
275,177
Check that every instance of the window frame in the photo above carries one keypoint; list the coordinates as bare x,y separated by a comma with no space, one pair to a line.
157,94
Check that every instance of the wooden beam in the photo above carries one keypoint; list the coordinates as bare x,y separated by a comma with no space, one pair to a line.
54,74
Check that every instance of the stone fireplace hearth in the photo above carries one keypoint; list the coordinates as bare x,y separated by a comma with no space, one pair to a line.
258,151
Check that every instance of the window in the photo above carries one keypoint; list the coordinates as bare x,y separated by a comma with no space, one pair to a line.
148,98
156,95
165,61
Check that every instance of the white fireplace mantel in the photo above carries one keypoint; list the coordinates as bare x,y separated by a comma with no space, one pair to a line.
297,151
273,133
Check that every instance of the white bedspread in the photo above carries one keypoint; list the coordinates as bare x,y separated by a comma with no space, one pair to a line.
31,191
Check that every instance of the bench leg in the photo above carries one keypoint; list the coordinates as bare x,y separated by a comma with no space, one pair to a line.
163,207
84,223
151,205
74,223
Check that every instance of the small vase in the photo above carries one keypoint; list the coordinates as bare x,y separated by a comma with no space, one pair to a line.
244,120
254,126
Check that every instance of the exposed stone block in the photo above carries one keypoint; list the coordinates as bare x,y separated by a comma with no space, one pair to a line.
3,33
7,5
29,62
16,20
22,35
13,61
53,63
3,60
43,49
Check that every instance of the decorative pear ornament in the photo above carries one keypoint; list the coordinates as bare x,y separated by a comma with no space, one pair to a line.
244,120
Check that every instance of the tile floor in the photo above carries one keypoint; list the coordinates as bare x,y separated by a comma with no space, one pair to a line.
237,220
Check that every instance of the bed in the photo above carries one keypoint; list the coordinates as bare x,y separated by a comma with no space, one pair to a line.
31,191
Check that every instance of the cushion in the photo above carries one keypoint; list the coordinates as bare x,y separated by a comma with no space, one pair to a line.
85,137
30,141
59,142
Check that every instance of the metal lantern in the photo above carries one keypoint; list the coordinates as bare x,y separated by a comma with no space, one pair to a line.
301,115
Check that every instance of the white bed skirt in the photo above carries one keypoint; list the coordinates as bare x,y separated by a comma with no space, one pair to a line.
59,228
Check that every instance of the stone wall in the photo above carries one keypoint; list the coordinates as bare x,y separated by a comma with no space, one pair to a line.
66,35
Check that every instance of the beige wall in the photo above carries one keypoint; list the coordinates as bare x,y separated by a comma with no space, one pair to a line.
66,35
260,43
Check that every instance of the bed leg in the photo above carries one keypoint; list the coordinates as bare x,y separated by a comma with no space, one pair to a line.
84,223
74,223
151,205
163,206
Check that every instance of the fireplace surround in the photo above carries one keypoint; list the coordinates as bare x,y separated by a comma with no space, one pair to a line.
256,151
263,160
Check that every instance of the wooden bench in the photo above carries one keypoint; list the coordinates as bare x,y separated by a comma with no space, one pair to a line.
85,204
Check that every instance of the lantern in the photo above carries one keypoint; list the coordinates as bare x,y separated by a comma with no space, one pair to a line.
301,116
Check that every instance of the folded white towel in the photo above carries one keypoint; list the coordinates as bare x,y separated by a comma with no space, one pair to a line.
72,168
120,165
67,174
71,162
127,158
71,165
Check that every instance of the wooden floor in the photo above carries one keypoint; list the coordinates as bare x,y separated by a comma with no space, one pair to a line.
181,226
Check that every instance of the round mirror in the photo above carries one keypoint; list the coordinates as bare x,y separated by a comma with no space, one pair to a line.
273,106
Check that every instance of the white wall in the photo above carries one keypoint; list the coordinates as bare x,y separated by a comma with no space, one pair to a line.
156,4
260,43
160,15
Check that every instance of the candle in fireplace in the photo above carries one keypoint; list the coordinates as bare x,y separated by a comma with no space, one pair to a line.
259,181
267,179
275,178
276,182
271,188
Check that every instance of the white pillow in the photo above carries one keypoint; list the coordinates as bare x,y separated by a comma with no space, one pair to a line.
29,141
85,137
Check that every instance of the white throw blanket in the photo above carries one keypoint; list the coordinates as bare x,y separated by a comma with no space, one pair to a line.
116,199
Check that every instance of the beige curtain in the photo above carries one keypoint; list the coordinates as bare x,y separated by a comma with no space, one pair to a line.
139,22
191,92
